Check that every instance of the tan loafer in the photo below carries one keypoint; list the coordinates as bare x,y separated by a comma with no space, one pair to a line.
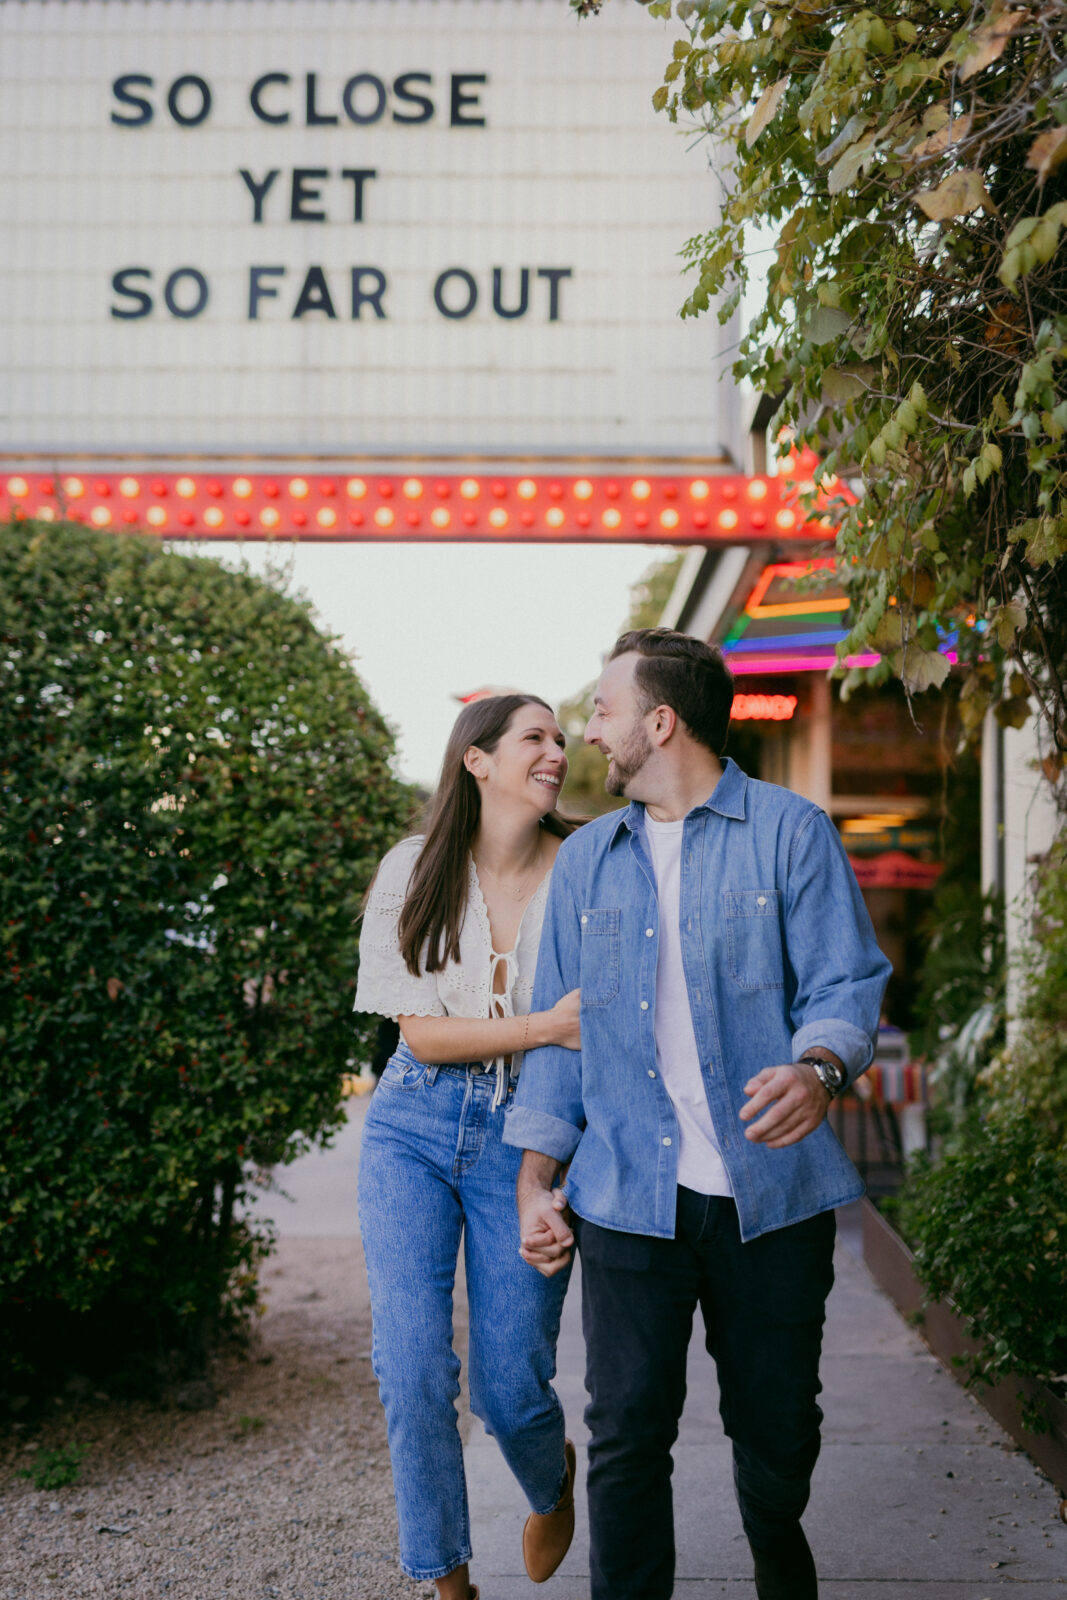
547,1538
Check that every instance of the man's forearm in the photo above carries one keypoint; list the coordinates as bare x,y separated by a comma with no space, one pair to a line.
537,1173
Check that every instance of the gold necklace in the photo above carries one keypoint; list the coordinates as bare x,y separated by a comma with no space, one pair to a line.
521,892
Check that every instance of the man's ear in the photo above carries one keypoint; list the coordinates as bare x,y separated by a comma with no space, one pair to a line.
664,722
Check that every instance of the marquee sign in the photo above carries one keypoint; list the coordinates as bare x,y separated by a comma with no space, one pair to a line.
288,229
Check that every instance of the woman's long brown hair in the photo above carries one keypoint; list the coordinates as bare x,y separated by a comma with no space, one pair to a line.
437,894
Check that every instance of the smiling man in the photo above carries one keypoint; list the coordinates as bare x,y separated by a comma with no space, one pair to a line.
731,986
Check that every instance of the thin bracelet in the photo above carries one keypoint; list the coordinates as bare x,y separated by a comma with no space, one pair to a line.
525,1031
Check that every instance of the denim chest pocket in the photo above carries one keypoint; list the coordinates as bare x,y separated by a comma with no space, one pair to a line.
753,938
599,968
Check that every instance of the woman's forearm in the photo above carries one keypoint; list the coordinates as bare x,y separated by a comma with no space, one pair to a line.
443,1039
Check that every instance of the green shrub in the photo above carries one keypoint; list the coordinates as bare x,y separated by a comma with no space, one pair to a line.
196,791
56,1469
989,1227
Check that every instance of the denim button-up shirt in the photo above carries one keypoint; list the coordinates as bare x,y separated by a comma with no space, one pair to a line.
779,957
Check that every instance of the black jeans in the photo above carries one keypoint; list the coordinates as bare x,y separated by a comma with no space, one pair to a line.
763,1305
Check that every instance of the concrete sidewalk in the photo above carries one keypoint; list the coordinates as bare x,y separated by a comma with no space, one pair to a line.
918,1493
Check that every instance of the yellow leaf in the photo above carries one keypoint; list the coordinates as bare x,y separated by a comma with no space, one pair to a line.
1047,152
765,110
990,42
951,132
962,192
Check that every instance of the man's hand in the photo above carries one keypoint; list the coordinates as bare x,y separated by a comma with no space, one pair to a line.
545,1237
789,1102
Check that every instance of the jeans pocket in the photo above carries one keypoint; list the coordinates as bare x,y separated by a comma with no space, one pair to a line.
402,1072
598,974
754,938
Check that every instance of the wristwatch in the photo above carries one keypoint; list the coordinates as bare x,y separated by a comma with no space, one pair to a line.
832,1077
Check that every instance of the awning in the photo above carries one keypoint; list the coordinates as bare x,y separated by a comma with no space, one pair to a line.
895,870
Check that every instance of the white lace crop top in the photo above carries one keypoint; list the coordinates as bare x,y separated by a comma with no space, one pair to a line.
463,988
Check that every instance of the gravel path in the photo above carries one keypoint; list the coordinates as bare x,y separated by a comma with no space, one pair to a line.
282,1489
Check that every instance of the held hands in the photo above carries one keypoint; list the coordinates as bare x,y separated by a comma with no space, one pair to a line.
545,1238
562,1024
789,1102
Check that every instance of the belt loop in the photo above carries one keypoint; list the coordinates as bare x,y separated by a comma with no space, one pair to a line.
431,1072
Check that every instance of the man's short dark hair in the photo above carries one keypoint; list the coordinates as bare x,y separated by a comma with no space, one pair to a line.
691,677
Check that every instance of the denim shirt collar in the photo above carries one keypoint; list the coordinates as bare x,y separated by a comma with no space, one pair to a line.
727,798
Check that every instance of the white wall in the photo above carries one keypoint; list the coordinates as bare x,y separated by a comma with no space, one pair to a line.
1027,818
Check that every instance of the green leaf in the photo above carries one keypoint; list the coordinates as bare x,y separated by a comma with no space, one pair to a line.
923,669
847,136
845,171
1007,621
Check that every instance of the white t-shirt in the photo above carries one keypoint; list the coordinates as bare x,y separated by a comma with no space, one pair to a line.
700,1165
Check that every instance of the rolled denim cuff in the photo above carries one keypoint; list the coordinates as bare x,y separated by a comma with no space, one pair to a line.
853,1048
536,1130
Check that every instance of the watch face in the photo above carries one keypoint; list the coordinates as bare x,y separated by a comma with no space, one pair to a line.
832,1078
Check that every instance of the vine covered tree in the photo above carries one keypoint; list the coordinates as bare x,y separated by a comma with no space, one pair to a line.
910,160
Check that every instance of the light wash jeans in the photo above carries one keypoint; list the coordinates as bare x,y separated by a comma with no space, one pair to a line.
433,1168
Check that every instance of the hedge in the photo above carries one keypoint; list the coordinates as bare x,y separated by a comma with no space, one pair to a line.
196,790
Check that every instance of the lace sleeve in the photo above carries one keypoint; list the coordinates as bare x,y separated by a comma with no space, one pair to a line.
385,985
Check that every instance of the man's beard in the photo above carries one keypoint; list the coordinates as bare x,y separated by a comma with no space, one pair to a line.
627,762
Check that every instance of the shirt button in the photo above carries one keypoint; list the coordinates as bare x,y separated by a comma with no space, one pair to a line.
648,933
584,921
644,1005
761,900
651,1073
711,1067
666,1141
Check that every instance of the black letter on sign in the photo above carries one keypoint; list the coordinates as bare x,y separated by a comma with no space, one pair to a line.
439,293
304,190
315,118
258,191
205,101
359,176
553,274
257,104
498,293
460,99
172,300
402,92
258,290
314,296
118,283
367,297
122,94
349,98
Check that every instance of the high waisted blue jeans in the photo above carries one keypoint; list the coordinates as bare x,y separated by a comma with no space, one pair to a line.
433,1168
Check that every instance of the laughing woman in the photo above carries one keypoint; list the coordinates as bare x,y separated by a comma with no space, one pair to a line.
448,948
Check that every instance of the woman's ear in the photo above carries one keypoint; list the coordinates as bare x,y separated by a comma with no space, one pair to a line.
474,761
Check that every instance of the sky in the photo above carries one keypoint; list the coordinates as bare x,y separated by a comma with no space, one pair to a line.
425,623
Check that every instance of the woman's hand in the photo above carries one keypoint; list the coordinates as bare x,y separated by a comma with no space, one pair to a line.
562,1025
